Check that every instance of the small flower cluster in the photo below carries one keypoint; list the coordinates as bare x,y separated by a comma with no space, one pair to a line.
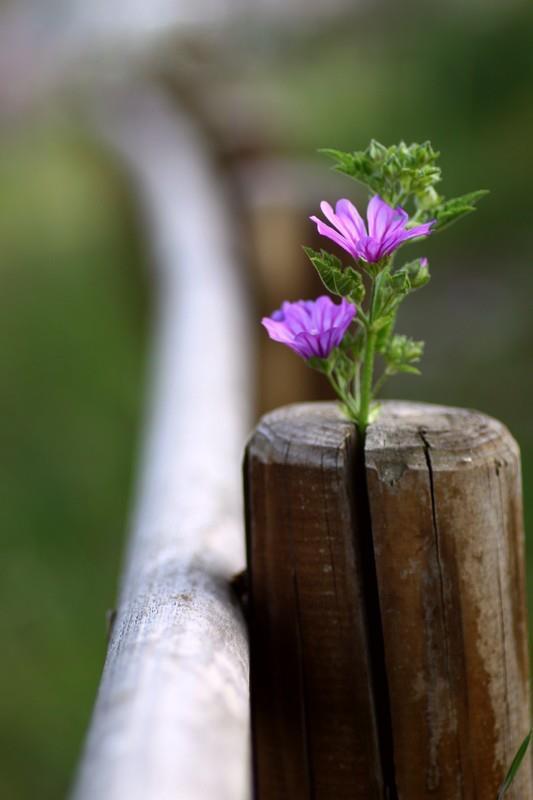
342,340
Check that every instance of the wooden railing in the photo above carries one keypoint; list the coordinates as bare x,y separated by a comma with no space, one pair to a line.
171,718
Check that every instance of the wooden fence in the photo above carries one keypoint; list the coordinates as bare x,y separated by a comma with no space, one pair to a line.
387,614
386,606
171,718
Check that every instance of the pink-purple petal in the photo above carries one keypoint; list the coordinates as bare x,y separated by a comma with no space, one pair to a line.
326,230
420,230
277,331
351,218
331,216
379,215
311,327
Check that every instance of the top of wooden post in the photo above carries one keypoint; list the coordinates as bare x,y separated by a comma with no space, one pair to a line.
458,437
459,433
308,426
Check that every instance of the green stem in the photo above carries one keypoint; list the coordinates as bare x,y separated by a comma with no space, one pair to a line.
367,379
343,395
357,382
379,383
369,354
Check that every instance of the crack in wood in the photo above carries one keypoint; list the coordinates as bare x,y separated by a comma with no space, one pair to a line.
502,606
374,623
442,593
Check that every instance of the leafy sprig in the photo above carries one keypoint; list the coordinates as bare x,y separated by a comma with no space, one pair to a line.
402,175
338,279
405,175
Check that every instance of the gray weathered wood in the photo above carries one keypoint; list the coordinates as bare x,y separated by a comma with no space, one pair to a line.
444,542
171,718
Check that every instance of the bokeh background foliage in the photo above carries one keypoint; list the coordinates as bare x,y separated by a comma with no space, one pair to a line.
74,310
71,357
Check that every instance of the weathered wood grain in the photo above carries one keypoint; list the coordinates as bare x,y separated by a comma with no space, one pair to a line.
440,637
171,721
445,501
313,701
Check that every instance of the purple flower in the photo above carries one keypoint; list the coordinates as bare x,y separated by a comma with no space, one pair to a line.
386,228
311,327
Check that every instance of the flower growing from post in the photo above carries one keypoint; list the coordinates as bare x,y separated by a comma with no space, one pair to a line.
312,328
345,341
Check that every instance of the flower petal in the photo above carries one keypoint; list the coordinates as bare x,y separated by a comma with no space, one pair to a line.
351,219
297,316
329,214
380,216
308,345
397,238
421,230
346,314
277,331
326,230
370,250
311,327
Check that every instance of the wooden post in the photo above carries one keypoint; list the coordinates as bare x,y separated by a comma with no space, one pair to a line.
313,701
387,622
445,499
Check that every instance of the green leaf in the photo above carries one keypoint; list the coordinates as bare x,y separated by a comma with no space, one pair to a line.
450,211
394,287
417,273
402,352
408,368
343,281
384,334
472,197
382,322
352,344
344,161
395,172
402,174
515,766
344,365
399,282
397,285
320,364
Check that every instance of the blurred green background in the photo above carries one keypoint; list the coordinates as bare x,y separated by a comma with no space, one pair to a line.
75,300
